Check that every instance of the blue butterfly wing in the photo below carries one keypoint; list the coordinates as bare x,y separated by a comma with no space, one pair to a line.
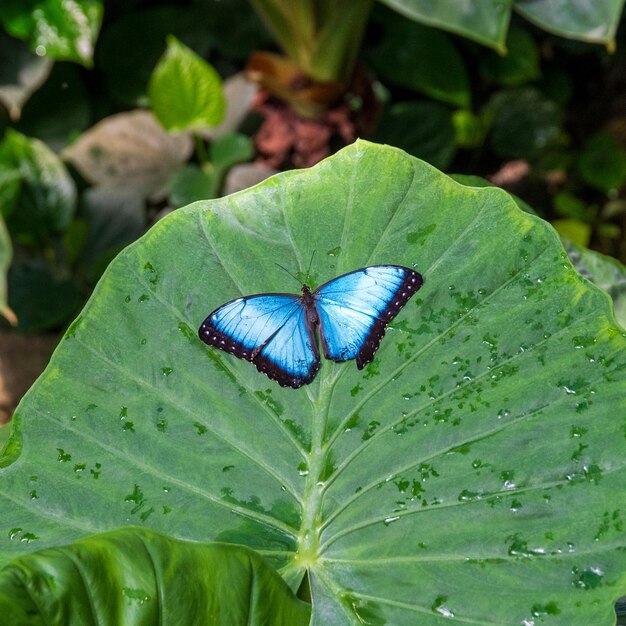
270,330
354,309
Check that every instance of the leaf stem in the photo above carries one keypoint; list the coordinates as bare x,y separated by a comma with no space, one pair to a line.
309,536
201,150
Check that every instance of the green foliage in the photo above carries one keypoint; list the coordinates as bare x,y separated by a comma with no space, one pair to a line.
403,126
61,30
474,468
604,271
524,123
602,162
469,129
487,21
191,183
421,59
21,74
321,36
130,47
43,294
185,92
230,149
586,20
135,576
5,260
574,230
60,110
519,65
40,195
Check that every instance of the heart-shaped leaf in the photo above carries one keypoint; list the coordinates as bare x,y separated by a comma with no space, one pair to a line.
129,152
135,576
475,469
185,92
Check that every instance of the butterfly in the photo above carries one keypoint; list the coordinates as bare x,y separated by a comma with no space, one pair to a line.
276,331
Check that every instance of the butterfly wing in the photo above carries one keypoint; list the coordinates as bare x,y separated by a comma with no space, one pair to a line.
270,330
355,308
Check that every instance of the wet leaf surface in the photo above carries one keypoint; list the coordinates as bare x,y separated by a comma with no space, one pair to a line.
475,469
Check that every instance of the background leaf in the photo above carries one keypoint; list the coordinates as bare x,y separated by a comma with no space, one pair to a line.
59,110
485,21
129,48
424,129
185,92
6,252
42,296
421,59
21,74
475,468
191,183
43,194
129,152
602,162
223,584
605,271
587,20
59,29
229,149
519,65
524,123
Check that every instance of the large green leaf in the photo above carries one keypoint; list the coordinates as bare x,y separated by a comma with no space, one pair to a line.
135,576
475,468
61,29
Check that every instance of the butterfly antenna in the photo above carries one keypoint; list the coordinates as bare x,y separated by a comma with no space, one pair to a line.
288,272
308,272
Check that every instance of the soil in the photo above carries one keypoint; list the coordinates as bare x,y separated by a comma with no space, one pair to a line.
22,359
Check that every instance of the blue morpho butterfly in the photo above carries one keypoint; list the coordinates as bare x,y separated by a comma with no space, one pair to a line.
276,331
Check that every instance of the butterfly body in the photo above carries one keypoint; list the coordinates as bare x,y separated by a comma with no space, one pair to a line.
277,331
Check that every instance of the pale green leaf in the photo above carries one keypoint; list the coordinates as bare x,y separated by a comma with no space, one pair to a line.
185,92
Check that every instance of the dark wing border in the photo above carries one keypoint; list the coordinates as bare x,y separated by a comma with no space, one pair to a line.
410,284
210,335
284,379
